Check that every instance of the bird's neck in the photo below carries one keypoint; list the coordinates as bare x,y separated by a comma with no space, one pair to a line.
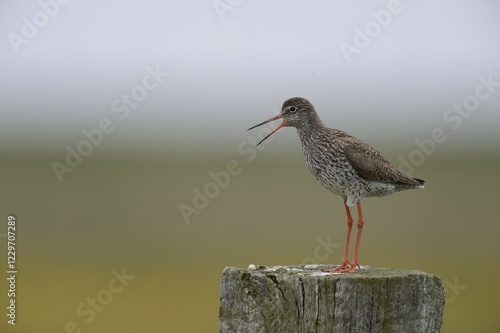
307,129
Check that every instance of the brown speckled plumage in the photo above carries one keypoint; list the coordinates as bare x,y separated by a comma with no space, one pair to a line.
343,164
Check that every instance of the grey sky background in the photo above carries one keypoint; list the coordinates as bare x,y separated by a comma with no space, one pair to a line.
229,70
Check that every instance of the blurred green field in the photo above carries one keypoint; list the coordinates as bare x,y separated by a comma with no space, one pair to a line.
123,213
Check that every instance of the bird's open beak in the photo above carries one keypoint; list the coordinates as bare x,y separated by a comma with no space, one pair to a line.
268,121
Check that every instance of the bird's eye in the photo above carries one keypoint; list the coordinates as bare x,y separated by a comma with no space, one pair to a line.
292,109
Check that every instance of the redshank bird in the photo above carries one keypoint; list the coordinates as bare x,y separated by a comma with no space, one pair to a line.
343,164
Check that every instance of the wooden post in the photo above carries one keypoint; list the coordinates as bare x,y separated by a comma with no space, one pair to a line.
302,298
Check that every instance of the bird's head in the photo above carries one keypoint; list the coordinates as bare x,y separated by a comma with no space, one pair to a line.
295,112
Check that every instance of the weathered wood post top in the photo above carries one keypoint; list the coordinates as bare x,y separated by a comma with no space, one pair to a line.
302,298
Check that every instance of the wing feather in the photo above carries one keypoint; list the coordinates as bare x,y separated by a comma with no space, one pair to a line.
371,165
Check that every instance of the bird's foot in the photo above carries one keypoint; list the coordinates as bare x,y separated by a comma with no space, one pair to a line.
345,267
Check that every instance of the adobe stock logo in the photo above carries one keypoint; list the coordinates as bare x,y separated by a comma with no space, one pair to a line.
121,108
30,28
204,194
322,251
371,30
224,6
454,118
95,304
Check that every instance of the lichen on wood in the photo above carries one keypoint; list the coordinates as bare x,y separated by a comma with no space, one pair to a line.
303,298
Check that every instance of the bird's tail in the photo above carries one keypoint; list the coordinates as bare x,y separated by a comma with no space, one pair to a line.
420,182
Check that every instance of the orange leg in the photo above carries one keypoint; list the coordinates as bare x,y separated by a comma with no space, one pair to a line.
346,266
345,263
358,236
